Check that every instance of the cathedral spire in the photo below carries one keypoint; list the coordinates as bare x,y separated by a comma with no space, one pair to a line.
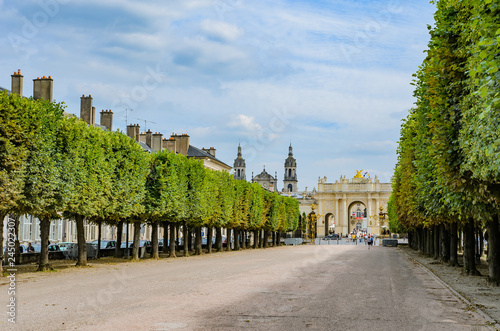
290,180
239,166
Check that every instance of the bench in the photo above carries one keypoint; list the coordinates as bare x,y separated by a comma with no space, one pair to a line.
390,242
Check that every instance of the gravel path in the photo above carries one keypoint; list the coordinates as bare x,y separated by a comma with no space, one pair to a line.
285,288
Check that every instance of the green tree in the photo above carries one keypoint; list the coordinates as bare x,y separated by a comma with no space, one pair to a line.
86,177
16,133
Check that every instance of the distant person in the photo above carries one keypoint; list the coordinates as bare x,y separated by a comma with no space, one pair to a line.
370,241
30,248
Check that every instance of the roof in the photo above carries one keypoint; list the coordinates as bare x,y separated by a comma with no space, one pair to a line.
145,147
264,176
4,89
198,153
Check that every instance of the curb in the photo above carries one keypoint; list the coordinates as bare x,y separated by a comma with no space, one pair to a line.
458,295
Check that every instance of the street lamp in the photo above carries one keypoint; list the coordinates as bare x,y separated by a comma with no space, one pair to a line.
381,216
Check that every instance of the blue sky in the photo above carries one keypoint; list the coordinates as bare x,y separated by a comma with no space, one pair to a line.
331,77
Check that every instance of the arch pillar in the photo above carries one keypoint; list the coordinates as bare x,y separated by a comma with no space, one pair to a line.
345,217
338,222
369,213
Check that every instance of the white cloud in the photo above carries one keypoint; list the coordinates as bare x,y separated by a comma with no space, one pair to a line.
220,30
245,122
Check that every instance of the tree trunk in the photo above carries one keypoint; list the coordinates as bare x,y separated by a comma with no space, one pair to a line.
243,239
494,251
228,240
469,249
255,239
210,236
261,238
436,242
172,240
185,239
273,238
177,235
445,243
460,239
43,263
82,247
190,240
427,242
165,237
266,239
453,245
218,239
99,227
119,235
197,242
155,253
137,240
420,240
236,234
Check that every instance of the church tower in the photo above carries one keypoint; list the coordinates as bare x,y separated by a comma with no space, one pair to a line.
290,181
239,166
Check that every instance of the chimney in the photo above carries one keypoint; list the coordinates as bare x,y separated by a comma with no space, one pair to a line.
169,144
157,142
107,119
142,137
149,138
182,143
42,88
93,116
210,151
133,131
86,110
17,83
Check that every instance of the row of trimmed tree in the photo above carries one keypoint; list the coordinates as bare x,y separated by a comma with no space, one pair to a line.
53,165
447,180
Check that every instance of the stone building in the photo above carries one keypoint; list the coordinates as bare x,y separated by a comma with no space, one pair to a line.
290,179
266,180
239,166
152,142
359,204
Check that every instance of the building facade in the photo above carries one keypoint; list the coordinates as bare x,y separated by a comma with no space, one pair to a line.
358,204
239,166
290,179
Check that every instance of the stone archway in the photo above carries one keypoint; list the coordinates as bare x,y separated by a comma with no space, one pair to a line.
357,218
329,223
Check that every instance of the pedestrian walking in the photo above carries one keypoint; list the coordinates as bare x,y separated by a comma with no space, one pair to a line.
370,241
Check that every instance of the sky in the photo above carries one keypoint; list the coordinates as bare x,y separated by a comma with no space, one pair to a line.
331,78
